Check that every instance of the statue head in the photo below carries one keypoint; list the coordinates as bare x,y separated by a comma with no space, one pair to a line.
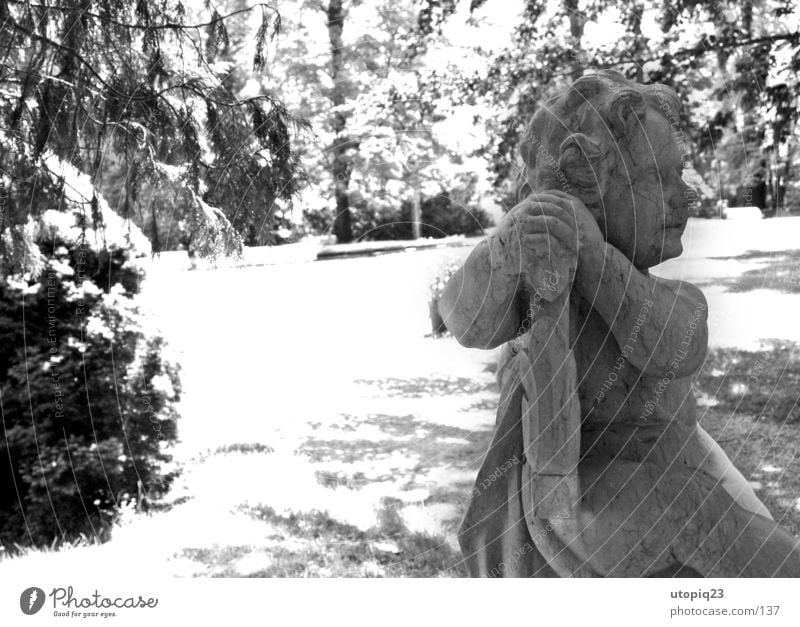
615,145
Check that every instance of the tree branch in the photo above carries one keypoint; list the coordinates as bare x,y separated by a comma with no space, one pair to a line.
164,26
132,97
688,52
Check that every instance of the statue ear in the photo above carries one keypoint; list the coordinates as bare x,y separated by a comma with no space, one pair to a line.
581,160
626,111
583,90
523,189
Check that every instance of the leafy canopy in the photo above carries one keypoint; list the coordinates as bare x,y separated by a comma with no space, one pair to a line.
85,81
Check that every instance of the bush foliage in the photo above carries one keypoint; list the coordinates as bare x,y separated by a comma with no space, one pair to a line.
87,398
440,216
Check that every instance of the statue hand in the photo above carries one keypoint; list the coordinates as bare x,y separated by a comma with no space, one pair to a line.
571,211
534,240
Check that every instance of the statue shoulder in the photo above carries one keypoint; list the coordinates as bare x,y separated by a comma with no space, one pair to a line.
687,290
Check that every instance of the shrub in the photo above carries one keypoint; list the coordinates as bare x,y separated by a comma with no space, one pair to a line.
87,397
436,287
791,198
440,217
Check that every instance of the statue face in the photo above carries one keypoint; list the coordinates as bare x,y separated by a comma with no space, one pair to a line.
647,202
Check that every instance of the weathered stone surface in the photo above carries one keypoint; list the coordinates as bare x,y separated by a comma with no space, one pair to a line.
604,470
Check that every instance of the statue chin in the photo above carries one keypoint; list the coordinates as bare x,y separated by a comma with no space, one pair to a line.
672,248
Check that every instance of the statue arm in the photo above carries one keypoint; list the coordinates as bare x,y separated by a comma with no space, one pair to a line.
481,302
531,252
660,325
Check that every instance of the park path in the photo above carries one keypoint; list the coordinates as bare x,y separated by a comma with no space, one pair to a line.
312,386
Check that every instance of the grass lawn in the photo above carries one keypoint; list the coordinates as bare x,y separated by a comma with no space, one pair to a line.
751,409
747,403
324,435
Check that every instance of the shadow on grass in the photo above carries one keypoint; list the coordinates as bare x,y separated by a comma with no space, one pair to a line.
780,272
764,385
312,544
751,401
408,454
407,449
414,472
374,494
423,387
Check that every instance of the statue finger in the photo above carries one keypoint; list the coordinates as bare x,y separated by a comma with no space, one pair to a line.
569,205
542,204
541,244
550,225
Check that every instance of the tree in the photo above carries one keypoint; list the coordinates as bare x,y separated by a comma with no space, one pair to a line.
88,393
725,59
420,143
341,165
144,81
377,94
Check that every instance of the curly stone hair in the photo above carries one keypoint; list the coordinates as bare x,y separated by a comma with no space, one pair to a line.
575,140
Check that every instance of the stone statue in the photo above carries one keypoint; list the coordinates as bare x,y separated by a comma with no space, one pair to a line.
598,466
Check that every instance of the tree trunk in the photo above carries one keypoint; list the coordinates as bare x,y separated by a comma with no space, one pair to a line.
416,215
341,162
576,23
636,26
